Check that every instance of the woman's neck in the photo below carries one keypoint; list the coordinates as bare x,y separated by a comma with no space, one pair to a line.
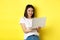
29,17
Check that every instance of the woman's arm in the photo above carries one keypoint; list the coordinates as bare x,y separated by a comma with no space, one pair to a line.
25,29
38,29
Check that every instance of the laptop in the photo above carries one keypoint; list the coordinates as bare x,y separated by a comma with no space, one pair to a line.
38,22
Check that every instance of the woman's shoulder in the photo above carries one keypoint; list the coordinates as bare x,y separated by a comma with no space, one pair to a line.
22,18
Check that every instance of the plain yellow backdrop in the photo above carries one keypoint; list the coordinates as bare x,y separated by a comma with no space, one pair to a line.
12,10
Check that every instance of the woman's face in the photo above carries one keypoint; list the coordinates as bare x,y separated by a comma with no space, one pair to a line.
30,12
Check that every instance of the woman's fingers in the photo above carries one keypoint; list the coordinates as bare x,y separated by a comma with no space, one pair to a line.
38,27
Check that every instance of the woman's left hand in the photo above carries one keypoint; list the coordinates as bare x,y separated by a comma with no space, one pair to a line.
38,27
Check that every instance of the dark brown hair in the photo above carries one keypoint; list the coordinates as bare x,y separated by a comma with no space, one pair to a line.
25,13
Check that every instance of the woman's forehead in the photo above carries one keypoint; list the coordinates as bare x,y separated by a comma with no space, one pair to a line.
30,9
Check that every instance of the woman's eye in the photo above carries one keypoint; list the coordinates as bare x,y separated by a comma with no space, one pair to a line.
29,10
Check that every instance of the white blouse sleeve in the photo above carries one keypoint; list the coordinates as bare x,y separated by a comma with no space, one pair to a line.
22,20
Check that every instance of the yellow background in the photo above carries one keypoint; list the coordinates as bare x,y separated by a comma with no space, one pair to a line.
12,10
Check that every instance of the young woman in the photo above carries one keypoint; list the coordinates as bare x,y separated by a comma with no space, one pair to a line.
26,23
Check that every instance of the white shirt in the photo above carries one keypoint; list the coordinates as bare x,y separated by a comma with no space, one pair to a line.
28,23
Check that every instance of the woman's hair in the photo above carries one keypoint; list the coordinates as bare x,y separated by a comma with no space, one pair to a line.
26,14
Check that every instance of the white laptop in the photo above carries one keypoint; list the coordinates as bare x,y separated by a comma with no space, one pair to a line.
38,22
